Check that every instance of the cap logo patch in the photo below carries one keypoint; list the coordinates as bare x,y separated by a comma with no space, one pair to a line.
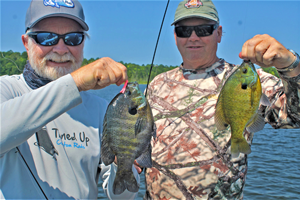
193,4
58,3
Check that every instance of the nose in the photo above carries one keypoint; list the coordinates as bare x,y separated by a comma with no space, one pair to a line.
193,36
60,48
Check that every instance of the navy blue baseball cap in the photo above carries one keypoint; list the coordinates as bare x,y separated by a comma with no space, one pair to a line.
41,9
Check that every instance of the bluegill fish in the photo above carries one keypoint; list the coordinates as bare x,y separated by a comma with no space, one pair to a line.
238,105
127,131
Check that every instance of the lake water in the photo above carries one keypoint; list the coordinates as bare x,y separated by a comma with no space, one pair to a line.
274,164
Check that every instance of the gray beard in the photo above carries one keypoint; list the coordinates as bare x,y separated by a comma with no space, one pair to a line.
52,73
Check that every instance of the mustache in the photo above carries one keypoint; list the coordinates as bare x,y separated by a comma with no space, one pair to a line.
68,57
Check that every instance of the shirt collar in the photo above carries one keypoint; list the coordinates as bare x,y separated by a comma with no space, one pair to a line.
191,74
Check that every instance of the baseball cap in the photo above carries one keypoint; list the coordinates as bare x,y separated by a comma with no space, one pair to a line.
196,8
41,9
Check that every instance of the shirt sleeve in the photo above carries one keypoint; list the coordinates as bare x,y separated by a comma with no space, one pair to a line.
108,174
284,95
24,114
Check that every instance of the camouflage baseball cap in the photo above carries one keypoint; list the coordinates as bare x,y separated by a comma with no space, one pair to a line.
41,9
196,8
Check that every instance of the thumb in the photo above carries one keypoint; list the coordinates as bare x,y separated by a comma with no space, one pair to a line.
240,54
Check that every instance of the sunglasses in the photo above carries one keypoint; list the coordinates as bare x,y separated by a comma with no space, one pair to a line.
50,39
200,30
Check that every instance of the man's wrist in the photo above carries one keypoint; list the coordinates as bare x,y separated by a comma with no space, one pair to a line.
293,66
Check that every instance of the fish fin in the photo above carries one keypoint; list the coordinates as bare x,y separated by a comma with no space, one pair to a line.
264,100
219,116
239,146
118,185
126,181
144,160
107,156
257,124
252,95
154,131
138,125
131,183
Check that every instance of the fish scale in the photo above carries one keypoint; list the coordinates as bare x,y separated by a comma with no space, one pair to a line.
128,127
238,105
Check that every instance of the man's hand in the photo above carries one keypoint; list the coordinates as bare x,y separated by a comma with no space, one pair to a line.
135,164
266,51
137,167
99,74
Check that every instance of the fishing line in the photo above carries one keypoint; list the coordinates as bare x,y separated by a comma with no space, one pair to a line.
156,47
32,174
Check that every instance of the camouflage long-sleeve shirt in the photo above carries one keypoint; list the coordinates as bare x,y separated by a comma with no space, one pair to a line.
191,158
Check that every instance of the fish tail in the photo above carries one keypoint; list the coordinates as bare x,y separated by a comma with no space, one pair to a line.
126,181
239,146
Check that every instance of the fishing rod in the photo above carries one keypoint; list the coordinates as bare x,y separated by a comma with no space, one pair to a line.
156,47
32,174
11,61
153,62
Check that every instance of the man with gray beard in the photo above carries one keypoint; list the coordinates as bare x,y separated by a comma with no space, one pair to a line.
50,127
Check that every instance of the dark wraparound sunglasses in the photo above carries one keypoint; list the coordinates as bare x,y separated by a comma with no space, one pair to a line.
200,30
50,39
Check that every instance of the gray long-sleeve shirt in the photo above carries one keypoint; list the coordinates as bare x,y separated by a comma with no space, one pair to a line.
73,121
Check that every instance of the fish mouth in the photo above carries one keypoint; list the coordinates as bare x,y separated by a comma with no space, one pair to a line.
138,100
142,106
244,86
135,109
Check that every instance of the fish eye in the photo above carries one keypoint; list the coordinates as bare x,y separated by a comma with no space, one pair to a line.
128,93
132,111
244,86
245,70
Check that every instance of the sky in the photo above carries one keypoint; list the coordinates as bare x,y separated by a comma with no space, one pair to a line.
127,30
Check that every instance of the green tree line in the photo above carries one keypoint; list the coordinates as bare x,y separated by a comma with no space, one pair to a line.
14,62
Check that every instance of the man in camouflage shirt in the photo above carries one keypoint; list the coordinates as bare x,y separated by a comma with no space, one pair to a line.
191,158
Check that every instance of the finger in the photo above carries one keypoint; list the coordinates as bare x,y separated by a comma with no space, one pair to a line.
108,72
124,74
103,79
120,73
240,55
268,57
249,48
136,163
269,49
111,76
116,71
243,53
137,167
259,51
122,80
